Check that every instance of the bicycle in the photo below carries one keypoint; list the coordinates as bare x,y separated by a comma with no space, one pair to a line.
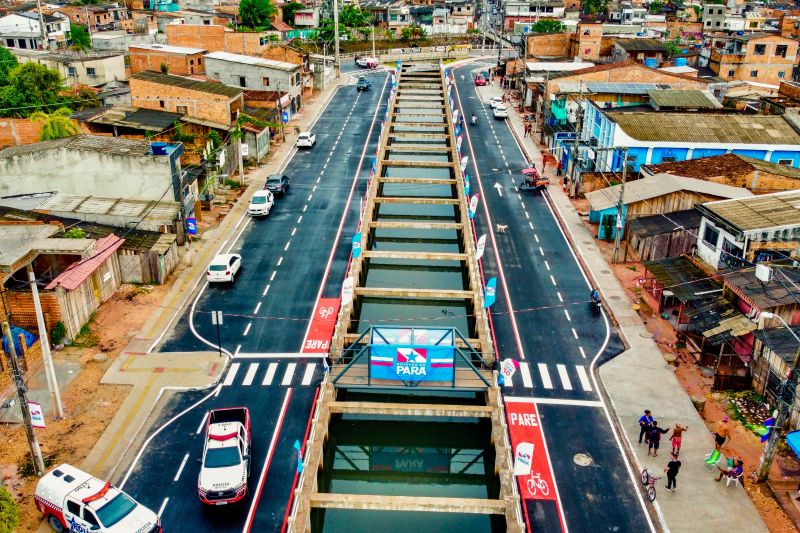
537,483
649,480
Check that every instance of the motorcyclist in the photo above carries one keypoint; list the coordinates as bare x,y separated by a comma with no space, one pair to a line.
474,119
595,296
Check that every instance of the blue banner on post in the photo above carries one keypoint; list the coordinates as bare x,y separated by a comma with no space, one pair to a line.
466,185
191,226
491,292
412,362
356,245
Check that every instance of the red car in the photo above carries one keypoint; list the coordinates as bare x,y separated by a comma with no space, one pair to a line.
480,81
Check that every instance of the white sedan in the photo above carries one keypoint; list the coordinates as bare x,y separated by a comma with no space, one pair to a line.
223,268
500,111
495,101
306,140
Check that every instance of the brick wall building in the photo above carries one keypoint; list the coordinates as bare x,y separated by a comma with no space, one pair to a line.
203,100
761,58
180,60
16,131
214,38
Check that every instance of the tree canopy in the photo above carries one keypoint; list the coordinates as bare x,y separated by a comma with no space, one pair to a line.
56,125
352,16
546,26
80,37
256,13
9,512
289,11
8,62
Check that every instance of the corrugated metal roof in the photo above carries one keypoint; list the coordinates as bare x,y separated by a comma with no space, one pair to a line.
685,279
688,219
93,143
151,210
687,99
780,341
659,185
706,128
760,212
72,278
778,292
212,87
252,60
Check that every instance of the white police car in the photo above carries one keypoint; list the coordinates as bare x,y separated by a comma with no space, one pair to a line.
73,500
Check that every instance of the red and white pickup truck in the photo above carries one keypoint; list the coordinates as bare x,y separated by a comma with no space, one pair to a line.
73,500
226,457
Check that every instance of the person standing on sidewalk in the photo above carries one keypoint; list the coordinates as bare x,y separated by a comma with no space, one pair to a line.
565,186
559,168
654,438
675,438
672,472
644,421
722,434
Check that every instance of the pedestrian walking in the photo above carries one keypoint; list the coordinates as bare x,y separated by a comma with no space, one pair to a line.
654,438
558,168
527,129
672,472
675,438
544,159
565,186
647,418
722,433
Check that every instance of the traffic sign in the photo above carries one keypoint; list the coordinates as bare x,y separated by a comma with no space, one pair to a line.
285,117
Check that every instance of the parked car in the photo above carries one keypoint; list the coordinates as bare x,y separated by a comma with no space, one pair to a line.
277,184
500,111
226,457
223,268
306,140
261,203
480,81
363,84
495,101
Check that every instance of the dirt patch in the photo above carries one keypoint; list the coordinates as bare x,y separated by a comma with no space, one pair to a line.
742,408
89,406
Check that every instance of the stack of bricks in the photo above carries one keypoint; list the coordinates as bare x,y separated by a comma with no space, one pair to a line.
17,131
19,305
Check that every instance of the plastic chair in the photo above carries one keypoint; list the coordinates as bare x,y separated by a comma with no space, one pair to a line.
733,479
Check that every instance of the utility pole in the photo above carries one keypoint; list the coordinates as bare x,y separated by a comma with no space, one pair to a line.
280,113
336,64
49,370
785,394
485,24
573,189
42,28
16,377
619,224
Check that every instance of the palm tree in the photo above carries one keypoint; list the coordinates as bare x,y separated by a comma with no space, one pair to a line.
56,125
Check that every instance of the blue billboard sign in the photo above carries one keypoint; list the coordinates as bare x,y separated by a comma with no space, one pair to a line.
191,226
412,363
285,117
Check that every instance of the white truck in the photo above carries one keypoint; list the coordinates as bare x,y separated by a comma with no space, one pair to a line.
73,500
226,457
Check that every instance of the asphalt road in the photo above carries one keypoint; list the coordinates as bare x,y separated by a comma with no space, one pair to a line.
289,258
543,319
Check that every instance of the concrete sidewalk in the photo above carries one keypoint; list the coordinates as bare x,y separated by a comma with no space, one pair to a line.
154,376
638,379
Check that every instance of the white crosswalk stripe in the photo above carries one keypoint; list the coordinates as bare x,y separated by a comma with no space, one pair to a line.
309,373
251,374
548,383
287,377
540,376
231,375
562,373
585,383
270,375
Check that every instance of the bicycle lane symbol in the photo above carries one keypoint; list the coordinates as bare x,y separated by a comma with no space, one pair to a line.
532,468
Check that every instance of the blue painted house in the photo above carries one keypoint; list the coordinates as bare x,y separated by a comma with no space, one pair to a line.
661,137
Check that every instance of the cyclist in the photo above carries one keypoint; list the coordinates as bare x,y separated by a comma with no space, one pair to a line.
474,119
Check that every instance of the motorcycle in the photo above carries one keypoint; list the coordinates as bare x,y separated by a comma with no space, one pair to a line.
532,181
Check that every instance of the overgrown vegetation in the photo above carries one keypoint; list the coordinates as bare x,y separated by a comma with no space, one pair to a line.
56,125
86,338
74,233
58,333
30,87
79,35
232,184
26,468
256,14
178,134
9,512
547,26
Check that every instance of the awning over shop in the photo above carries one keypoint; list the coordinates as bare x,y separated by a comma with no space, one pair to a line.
793,440
559,112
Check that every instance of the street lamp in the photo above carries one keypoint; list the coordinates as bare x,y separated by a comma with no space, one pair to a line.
786,396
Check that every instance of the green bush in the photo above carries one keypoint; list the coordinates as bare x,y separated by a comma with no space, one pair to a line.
58,333
9,512
75,233
233,184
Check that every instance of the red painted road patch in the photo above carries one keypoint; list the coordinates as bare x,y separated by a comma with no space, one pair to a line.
322,326
536,482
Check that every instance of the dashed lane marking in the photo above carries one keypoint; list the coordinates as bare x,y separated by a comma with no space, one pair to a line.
180,468
280,260
547,265
560,299
163,506
272,276
305,207
300,219
266,290
294,230
258,307
535,236
202,423
574,333
287,245
583,354
569,319
247,329
553,280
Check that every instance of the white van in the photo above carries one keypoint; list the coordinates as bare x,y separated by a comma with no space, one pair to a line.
261,203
